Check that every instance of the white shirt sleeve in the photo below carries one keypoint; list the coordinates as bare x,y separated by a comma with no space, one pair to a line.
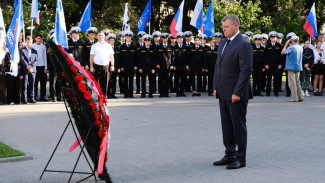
92,49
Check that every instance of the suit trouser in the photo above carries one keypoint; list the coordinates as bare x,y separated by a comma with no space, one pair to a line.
257,78
210,77
138,79
234,130
102,76
55,87
163,80
171,80
112,84
12,89
128,82
180,74
40,77
121,81
294,84
204,76
287,84
277,78
28,86
147,72
196,70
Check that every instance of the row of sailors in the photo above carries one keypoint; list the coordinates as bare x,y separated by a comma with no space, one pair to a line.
181,65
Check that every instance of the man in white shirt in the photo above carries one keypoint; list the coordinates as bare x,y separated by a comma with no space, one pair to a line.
321,39
41,67
101,55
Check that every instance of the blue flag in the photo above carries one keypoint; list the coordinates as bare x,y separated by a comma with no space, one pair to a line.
85,21
208,21
15,4
60,30
34,12
16,25
145,17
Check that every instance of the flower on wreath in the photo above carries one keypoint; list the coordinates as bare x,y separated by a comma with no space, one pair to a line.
98,123
87,95
92,105
100,133
74,70
82,87
78,78
63,74
96,114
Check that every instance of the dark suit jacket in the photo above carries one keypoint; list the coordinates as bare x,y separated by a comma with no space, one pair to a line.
26,60
233,69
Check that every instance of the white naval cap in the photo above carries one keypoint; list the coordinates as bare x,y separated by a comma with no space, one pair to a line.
295,38
127,33
218,34
164,35
156,34
188,33
74,30
280,35
203,36
179,34
257,36
248,33
120,34
171,36
111,35
264,36
273,34
91,30
147,37
141,34
290,35
106,31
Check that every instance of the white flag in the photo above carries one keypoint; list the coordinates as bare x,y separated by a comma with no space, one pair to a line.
2,29
126,20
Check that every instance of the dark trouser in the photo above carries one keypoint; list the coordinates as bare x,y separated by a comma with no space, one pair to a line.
233,121
2,87
138,79
188,82
12,89
28,80
287,84
210,77
257,78
171,80
40,77
196,70
155,81
55,87
277,78
163,81
180,74
102,75
128,82
204,81
121,81
146,71
305,79
112,84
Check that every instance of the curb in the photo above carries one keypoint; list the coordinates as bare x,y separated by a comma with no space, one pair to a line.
15,159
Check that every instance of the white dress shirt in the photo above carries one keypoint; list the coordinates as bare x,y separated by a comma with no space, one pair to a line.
102,53
41,54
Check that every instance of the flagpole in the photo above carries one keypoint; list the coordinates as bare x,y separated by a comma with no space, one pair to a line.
31,29
149,28
24,33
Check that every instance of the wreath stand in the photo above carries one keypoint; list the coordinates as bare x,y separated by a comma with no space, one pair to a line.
82,151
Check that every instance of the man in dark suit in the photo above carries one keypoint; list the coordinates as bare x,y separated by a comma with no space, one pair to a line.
28,59
231,85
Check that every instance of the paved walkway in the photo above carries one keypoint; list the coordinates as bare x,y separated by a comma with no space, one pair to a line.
174,140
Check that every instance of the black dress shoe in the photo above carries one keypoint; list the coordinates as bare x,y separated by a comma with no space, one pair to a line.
198,94
23,102
32,101
223,161
150,96
236,164
209,94
105,177
177,95
276,94
143,96
193,94
113,96
259,94
43,99
267,94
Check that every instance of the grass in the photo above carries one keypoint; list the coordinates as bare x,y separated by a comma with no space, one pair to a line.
6,151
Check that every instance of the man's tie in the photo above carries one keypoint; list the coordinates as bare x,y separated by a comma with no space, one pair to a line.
228,42
165,46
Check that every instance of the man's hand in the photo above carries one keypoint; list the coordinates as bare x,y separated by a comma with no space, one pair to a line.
235,98
31,70
203,70
267,67
140,70
135,68
171,68
206,70
112,68
215,93
92,69
29,67
306,66
118,70
153,71
122,69
187,67
280,67
45,71
263,70
158,66
86,67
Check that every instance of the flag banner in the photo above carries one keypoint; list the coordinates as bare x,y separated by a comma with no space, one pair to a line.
60,30
177,22
208,21
85,21
34,12
145,18
126,20
311,23
16,25
197,17
37,19
2,29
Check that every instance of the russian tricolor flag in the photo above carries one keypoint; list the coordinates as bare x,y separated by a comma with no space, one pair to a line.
311,23
177,22
197,18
